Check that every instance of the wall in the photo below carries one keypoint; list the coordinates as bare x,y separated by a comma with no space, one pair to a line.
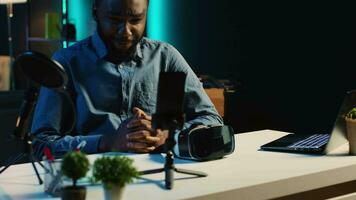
79,13
299,60
293,61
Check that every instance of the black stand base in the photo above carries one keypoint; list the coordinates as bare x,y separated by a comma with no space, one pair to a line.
169,170
29,153
21,134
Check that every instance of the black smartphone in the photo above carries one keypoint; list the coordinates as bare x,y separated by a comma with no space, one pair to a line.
170,99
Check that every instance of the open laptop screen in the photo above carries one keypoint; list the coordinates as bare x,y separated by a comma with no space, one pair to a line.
324,142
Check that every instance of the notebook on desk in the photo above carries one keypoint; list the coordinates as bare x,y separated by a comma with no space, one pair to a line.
317,143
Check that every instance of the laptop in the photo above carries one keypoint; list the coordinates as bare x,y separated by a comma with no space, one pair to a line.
318,143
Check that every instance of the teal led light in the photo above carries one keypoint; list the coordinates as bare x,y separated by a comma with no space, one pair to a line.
64,20
64,11
157,18
79,14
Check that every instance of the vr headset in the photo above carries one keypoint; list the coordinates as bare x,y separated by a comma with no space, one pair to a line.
204,143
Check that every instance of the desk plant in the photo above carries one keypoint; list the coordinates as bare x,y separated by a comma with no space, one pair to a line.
351,129
75,165
114,172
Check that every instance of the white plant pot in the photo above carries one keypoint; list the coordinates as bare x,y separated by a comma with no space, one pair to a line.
114,192
351,134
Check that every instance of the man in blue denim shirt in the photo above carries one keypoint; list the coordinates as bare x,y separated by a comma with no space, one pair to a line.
114,77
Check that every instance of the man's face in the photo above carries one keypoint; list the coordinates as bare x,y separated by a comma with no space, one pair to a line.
121,23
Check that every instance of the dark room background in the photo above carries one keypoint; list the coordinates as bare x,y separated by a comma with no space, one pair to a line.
291,62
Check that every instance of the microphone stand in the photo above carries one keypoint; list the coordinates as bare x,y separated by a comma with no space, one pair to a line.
21,133
171,125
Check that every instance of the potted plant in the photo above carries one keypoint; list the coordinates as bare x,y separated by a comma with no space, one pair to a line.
114,172
75,165
351,129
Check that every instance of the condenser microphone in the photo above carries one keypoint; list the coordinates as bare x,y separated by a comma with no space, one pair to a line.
24,117
42,70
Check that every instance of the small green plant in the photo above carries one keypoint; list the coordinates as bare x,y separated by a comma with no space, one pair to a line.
351,114
117,170
75,165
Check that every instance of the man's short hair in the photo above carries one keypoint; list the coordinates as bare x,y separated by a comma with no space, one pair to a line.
98,2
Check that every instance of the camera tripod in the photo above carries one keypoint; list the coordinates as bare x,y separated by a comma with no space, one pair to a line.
21,135
26,145
169,167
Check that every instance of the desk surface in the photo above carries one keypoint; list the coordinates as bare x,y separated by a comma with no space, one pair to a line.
248,174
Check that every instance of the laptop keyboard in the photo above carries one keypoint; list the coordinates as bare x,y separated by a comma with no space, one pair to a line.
314,141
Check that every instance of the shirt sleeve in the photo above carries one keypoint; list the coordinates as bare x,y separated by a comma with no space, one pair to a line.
51,112
197,105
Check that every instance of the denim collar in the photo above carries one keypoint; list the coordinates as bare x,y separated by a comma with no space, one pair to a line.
102,51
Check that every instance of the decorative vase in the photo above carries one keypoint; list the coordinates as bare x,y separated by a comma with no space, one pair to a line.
113,192
74,193
351,134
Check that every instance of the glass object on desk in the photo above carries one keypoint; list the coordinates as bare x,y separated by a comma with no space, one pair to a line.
53,181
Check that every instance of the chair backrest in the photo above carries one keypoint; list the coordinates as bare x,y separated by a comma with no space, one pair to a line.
216,95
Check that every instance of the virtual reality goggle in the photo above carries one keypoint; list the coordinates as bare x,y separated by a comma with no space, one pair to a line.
205,143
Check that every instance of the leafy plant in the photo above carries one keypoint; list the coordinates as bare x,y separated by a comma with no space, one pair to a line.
351,114
75,165
117,170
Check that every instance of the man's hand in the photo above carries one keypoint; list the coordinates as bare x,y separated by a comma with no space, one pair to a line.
117,141
134,135
142,131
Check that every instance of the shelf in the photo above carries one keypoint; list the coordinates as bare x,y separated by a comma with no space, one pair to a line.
39,39
35,12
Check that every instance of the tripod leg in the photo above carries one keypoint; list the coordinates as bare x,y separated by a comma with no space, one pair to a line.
34,167
191,172
12,161
33,157
169,177
38,162
152,171
169,170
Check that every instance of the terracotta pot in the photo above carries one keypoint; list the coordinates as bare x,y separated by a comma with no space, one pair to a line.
74,193
351,134
114,192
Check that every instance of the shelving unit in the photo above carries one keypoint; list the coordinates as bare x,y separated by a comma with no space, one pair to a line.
39,39
35,31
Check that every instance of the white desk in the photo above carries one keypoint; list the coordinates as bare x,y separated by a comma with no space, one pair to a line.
246,174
